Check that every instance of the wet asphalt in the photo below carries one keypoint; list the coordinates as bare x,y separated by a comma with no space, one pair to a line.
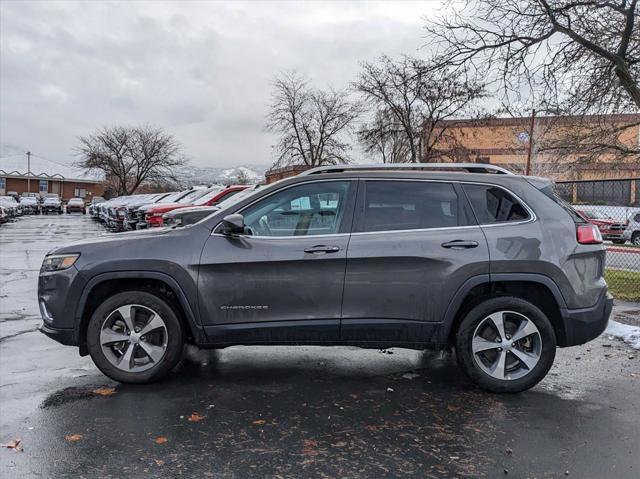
297,411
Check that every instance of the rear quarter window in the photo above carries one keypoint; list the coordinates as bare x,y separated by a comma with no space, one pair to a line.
492,204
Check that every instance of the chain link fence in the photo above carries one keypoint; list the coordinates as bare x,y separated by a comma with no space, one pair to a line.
614,207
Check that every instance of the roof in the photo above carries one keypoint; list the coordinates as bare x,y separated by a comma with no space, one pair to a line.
42,168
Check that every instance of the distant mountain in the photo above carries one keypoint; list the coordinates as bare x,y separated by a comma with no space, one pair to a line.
197,175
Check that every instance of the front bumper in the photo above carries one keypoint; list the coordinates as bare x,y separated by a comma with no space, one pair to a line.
63,336
583,325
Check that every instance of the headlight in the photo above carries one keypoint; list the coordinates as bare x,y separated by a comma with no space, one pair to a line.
58,262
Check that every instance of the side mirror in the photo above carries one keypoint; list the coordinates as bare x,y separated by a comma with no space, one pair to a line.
232,224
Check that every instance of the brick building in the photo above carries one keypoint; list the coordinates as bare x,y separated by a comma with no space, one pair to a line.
505,142
45,177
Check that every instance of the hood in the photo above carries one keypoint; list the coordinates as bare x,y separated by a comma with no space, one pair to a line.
110,238
159,207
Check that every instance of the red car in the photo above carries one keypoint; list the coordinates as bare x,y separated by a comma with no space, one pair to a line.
213,196
610,229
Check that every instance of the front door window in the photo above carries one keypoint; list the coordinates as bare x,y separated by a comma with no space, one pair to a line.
305,210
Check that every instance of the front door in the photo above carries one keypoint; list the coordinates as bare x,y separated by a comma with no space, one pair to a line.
413,245
282,280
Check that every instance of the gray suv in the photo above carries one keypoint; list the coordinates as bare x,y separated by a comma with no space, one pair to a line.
416,256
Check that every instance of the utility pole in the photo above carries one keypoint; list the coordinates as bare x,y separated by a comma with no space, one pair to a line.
527,170
28,172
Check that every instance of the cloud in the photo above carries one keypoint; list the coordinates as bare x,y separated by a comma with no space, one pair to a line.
201,70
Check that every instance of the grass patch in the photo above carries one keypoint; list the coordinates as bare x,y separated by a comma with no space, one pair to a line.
623,284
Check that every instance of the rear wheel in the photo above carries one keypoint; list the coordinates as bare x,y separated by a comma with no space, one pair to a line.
635,238
135,337
505,344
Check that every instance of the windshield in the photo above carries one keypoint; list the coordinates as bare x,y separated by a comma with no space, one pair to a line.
236,198
192,196
211,194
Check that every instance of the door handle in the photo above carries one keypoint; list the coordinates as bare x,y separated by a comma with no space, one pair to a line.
460,244
322,249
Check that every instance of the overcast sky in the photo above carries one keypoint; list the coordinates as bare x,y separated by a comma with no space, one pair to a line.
201,70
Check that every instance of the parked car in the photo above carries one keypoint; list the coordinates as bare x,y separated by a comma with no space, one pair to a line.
76,204
187,216
193,214
30,205
51,204
12,205
491,263
610,229
131,214
187,197
92,204
632,230
210,197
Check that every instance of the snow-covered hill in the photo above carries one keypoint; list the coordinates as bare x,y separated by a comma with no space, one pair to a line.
197,175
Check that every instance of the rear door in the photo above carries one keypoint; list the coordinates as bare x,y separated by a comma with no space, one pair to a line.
413,245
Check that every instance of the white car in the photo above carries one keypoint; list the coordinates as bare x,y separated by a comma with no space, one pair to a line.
30,205
632,232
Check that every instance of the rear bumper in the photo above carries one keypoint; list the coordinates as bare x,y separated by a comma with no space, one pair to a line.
583,325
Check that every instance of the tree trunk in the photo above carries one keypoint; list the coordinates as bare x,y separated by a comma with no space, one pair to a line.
628,83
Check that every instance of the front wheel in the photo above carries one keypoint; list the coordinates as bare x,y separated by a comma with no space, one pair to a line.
635,238
505,344
135,337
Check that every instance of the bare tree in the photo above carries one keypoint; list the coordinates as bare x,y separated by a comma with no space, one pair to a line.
311,124
414,99
385,138
131,156
243,177
578,56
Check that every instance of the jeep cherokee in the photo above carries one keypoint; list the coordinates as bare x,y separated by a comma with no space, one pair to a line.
416,256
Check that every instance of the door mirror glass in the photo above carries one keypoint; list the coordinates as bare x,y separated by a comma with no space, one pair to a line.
232,224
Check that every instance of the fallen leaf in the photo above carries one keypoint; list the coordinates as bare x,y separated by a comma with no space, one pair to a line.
452,408
15,445
309,447
195,417
353,396
340,444
73,437
104,391
161,440
259,422
410,375
159,462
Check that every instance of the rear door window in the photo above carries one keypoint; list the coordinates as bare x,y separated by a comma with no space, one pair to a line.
492,204
409,205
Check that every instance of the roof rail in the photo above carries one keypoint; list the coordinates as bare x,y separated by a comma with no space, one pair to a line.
469,167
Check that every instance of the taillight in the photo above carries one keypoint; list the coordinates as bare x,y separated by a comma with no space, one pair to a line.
589,234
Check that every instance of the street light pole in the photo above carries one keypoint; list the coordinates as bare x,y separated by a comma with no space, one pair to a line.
28,172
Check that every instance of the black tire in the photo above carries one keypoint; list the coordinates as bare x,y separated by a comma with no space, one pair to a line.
175,337
635,238
467,329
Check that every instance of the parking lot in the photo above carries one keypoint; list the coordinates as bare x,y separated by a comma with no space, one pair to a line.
298,411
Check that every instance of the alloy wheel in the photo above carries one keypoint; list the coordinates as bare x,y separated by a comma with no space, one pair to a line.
506,345
134,338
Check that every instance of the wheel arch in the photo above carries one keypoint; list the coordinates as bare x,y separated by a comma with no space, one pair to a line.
105,285
538,289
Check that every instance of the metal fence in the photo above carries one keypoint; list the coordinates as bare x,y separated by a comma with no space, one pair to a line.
614,207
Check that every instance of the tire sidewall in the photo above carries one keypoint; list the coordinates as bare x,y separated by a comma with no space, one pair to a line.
174,333
464,337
